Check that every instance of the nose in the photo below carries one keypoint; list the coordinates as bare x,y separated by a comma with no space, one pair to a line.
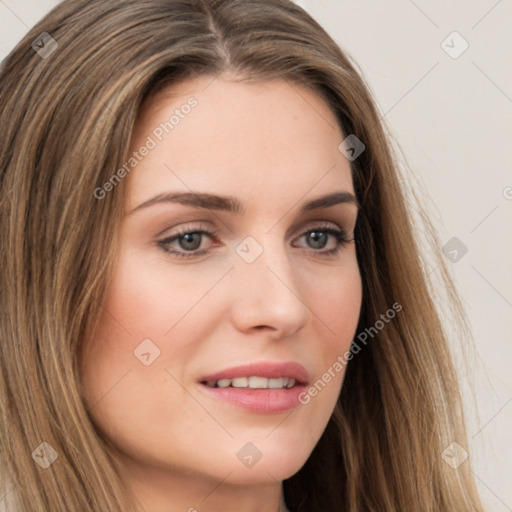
267,294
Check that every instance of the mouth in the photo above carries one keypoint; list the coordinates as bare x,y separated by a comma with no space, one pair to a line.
268,388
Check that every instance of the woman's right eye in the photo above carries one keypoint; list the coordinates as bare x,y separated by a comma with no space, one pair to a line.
189,241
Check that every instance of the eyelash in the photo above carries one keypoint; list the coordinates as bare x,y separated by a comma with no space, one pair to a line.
339,234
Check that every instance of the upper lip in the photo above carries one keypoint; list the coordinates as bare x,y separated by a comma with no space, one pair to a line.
270,370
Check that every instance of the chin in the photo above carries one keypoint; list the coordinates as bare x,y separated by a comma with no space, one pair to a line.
267,460
270,471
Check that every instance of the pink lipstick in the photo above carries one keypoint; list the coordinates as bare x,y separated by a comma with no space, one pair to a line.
267,387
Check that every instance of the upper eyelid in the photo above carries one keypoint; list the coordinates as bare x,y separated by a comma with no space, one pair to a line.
312,224
345,218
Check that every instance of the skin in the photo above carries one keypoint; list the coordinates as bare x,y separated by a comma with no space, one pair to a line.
273,146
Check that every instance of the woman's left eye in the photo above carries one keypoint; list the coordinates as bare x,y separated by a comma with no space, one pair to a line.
190,241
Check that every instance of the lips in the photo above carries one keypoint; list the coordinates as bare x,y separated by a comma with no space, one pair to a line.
253,387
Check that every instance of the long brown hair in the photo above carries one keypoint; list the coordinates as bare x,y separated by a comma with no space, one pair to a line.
69,103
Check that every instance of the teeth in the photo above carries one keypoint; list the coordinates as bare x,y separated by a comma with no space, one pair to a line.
239,382
223,383
253,382
258,382
277,383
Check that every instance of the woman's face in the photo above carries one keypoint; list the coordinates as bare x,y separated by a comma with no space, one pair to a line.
267,284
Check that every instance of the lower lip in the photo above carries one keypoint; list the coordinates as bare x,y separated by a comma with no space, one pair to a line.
265,401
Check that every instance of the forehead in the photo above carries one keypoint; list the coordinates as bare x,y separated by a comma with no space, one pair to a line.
268,139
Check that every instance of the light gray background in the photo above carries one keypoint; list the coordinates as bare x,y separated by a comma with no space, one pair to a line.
452,119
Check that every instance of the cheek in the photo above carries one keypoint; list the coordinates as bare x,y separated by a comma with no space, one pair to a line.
336,304
150,308
341,303
151,295
128,399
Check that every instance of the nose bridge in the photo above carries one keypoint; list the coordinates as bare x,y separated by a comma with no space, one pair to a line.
268,292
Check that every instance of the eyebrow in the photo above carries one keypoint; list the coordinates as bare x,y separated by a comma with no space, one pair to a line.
233,205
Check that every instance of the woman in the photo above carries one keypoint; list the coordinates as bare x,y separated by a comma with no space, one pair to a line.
213,296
